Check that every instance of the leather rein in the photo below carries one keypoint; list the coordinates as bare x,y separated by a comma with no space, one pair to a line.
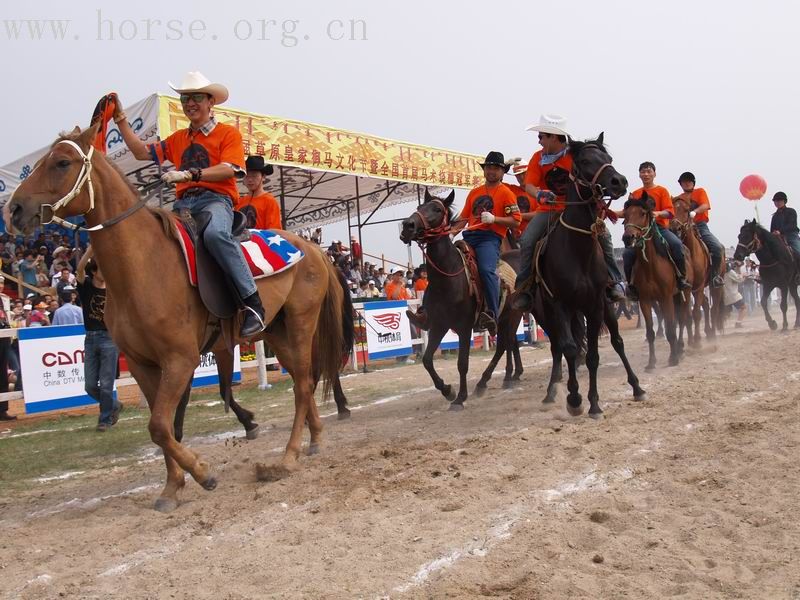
433,233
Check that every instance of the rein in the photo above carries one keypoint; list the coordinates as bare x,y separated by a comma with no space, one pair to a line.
84,178
432,234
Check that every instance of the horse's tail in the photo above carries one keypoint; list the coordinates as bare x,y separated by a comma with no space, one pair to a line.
333,330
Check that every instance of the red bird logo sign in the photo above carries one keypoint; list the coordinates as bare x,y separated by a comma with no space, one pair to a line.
389,320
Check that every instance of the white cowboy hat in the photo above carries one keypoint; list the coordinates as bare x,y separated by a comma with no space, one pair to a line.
555,124
195,81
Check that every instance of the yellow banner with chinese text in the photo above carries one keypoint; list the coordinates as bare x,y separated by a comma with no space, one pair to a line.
308,146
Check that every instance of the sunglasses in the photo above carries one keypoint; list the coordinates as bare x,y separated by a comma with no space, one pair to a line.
197,98
543,136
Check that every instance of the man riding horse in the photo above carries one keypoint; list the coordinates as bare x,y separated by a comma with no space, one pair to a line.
699,206
546,180
784,223
663,212
208,156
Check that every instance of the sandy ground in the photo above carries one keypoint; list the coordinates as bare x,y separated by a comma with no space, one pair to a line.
691,494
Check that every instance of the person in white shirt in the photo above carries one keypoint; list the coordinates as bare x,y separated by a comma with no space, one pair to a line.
730,293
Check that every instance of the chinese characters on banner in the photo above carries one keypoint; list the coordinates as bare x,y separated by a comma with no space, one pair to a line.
306,145
388,329
52,359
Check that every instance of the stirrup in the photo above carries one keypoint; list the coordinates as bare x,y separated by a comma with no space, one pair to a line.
262,326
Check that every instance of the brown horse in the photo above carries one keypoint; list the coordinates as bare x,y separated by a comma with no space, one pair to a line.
162,340
653,273
698,267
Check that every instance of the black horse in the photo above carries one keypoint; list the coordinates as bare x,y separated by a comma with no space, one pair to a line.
574,277
449,304
777,268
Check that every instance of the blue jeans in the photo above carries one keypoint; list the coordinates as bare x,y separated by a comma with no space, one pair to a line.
715,248
793,239
487,248
100,371
218,239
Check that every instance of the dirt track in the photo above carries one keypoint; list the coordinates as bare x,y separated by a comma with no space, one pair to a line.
691,494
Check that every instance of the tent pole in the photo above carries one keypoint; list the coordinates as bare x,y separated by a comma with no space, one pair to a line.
358,220
283,202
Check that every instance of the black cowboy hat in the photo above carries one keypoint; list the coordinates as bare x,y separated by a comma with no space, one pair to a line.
256,163
496,158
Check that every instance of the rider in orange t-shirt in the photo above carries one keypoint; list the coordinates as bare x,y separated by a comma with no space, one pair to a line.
546,180
526,204
260,208
700,205
208,156
663,212
490,209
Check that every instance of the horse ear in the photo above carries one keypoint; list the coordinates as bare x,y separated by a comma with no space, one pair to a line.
450,197
88,135
428,196
600,138
76,131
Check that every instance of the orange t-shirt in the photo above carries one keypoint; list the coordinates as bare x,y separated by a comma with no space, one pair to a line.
663,201
699,196
421,284
500,201
261,212
188,148
525,203
396,291
553,177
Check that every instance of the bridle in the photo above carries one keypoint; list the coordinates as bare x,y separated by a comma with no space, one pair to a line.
84,178
431,234
646,233
598,192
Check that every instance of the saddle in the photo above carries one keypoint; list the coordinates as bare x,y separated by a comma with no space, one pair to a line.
266,253
505,274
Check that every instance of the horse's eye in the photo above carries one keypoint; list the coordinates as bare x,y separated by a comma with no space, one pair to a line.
63,163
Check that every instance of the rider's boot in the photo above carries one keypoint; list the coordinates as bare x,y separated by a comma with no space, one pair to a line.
682,283
419,319
615,292
632,293
253,321
716,279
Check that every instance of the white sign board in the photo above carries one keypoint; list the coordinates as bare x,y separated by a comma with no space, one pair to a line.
388,329
51,359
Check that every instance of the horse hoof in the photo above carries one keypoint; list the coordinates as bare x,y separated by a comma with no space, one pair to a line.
480,390
210,483
598,416
574,411
640,397
456,406
271,473
165,505
650,368
252,434
673,362
313,449
344,415
773,325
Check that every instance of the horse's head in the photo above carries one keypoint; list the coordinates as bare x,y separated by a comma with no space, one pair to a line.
638,218
682,205
592,169
748,240
431,219
56,184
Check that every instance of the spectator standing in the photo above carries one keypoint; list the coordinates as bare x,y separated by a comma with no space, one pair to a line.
730,294
355,250
100,353
28,268
68,314
749,285
5,350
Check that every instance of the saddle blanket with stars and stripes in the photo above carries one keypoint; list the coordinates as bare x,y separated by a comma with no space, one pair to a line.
266,252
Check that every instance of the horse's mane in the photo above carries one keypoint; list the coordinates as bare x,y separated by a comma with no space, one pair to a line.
167,219
575,146
772,242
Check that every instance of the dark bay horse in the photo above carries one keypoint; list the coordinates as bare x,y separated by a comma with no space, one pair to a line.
574,277
653,274
776,268
449,304
698,264
157,318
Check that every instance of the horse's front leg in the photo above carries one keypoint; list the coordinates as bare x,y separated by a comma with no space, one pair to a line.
619,347
574,399
649,333
434,339
766,292
464,338
592,362
668,310
785,307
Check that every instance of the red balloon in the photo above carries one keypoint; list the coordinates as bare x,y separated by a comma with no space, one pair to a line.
753,187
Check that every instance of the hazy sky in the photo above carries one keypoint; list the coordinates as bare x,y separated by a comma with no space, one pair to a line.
700,86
